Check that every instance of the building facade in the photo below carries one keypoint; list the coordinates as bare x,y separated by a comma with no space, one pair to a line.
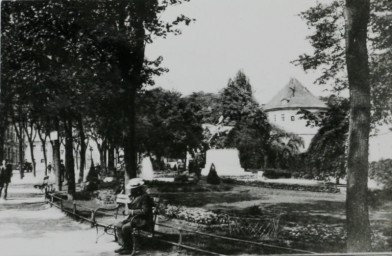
11,146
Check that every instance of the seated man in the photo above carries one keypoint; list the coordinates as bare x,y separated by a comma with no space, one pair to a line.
140,216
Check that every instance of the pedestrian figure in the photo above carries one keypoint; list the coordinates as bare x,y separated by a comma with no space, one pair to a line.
5,177
212,177
140,216
62,171
21,171
49,168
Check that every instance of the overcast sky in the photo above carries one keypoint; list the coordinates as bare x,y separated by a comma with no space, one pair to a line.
260,37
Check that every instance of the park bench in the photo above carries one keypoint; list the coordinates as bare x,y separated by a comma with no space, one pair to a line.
149,231
45,186
122,200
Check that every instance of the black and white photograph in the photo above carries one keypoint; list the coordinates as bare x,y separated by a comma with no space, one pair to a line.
195,127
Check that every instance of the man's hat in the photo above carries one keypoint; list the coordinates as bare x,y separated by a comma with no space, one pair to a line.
134,183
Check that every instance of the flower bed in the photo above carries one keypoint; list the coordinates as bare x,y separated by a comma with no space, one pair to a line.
328,235
328,188
195,215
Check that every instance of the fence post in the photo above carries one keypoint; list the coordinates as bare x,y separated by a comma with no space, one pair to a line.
51,201
74,208
92,218
61,205
179,239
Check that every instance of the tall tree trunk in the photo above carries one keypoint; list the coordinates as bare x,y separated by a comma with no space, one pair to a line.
31,146
111,157
69,159
56,156
83,149
31,134
76,155
265,161
104,155
56,163
19,134
3,128
21,156
43,142
358,227
137,57
130,151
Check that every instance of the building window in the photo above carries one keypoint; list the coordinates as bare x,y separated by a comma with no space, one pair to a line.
282,117
292,118
42,160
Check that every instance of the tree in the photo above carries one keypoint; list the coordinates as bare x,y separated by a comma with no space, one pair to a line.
211,106
326,22
358,226
281,147
368,84
61,53
251,131
327,153
168,124
237,98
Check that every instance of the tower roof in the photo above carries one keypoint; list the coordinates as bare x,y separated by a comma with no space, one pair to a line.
294,95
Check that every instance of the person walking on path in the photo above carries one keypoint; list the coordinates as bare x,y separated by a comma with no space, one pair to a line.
140,216
5,177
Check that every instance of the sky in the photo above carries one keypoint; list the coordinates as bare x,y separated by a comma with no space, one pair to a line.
260,37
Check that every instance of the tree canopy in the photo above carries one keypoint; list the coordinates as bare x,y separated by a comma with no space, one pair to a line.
326,23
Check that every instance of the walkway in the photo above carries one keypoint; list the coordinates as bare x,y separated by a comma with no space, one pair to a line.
30,227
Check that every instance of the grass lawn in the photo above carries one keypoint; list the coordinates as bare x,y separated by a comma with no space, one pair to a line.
312,221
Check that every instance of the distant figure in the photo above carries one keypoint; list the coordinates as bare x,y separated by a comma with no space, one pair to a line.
62,171
212,177
28,167
21,171
49,168
140,216
5,177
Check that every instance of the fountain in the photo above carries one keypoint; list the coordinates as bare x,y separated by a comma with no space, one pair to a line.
147,172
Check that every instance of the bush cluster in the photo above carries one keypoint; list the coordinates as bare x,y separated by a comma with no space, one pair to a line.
381,171
328,188
276,173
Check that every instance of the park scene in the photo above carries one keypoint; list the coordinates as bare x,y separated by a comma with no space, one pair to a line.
196,127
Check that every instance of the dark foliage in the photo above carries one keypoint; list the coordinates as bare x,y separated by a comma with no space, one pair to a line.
381,171
276,173
251,131
326,156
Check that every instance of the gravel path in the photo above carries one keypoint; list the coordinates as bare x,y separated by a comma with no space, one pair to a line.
29,227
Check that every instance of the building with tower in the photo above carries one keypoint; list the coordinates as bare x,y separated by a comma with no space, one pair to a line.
282,110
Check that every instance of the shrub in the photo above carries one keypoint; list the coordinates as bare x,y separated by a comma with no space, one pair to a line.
181,179
276,174
253,210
